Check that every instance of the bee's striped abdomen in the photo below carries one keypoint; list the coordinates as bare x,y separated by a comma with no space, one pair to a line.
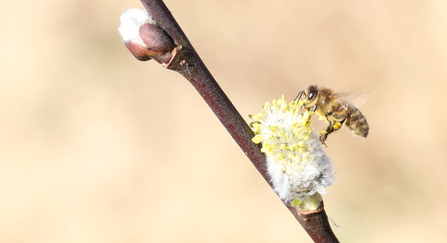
357,123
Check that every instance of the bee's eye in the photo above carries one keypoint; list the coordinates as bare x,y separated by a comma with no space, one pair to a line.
312,94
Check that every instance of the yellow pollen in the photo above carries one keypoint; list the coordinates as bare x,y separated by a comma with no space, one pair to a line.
279,157
293,148
291,155
257,139
283,131
337,125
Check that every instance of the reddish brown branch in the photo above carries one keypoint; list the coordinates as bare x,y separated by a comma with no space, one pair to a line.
315,223
188,63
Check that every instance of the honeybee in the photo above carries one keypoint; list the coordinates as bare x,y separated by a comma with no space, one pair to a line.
335,108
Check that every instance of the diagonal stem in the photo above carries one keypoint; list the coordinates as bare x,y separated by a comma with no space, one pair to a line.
187,62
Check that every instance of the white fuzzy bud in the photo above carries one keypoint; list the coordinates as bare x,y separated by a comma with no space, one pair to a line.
131,21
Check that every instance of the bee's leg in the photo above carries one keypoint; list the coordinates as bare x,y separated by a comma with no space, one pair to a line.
323,135
336,121
312,110
298,97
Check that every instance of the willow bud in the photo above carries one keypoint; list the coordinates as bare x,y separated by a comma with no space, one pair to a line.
144,39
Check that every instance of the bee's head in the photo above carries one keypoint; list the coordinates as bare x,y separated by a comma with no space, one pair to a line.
311,93
308,96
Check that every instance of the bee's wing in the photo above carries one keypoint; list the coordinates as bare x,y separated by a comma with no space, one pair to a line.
358,98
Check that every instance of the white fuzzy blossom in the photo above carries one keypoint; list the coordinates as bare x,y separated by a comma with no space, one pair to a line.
131,20
298,166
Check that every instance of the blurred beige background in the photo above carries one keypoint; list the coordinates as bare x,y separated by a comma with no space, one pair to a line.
96,146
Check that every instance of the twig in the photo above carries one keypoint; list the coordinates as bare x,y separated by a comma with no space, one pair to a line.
187,62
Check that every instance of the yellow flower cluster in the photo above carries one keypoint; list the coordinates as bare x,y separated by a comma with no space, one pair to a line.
296,162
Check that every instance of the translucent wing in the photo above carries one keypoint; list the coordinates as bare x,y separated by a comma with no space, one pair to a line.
357,98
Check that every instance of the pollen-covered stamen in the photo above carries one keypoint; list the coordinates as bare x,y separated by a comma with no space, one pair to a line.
298,167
